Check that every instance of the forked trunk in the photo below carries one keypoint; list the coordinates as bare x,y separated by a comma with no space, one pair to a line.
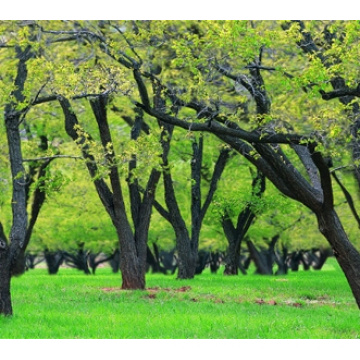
346,254
132,273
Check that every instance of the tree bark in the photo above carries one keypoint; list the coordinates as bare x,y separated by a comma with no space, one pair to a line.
5,277
345,253
10,251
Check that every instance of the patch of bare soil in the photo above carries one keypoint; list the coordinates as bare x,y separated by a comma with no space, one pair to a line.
111,289
263,302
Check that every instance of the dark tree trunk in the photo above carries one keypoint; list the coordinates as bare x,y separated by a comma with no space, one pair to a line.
280,260
9,252
5,277
31,260
187,256
187,244
202,261
294,260
260,259
114,261
153,260
215,261
54,260
265,259
95,260
78,260
36,172
232,258
345,253
306,260
168,260
320,260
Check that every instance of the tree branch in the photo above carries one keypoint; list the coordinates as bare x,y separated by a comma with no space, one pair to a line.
218,129
337,93
46,158
348,198
218,170
325,178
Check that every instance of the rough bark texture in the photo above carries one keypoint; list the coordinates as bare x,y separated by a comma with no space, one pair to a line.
346,255
5,277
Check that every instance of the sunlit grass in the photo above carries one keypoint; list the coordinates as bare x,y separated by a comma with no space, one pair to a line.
307,305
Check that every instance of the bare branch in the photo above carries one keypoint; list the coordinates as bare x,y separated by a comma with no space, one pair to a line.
241,79
216,128
340,93
46,158
80,96
348,198
305,157
132,47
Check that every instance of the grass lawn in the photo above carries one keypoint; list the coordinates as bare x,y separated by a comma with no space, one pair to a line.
71,305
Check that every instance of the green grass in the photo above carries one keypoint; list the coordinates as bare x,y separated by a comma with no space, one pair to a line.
70,305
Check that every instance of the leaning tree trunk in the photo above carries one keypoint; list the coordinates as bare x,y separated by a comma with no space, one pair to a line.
346,255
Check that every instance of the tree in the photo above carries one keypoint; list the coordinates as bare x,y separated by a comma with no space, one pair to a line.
308,182
11,248
187,242
133,243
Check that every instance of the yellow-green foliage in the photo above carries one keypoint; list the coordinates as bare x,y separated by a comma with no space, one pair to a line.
75,58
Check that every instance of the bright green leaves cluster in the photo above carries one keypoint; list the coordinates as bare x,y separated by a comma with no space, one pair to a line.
73,214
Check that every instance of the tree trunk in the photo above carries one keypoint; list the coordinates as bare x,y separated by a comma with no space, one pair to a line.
132,244
53,261
186,264
9,252
232,260
114,261
133,274
320,260
261,260
346,255
5,279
